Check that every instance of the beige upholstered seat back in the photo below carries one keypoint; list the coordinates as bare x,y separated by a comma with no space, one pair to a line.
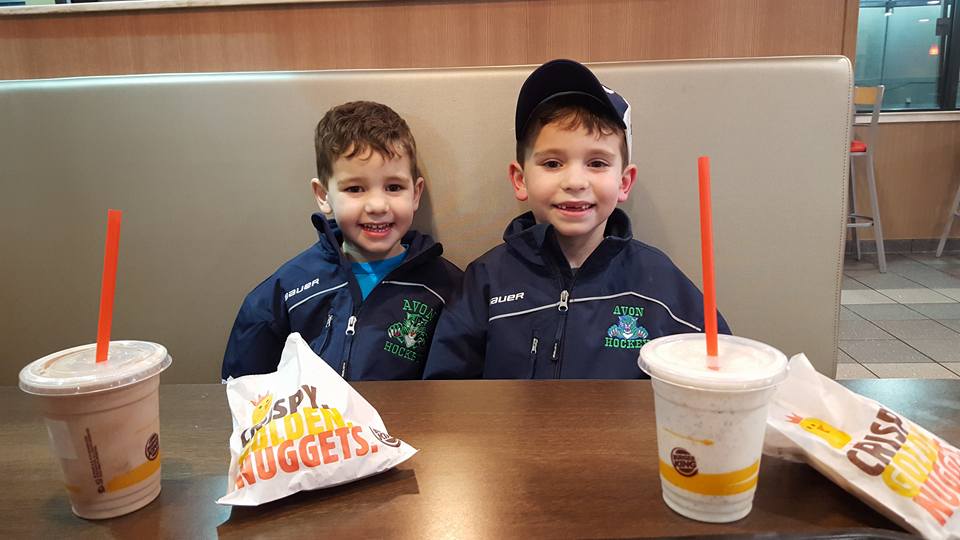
212,174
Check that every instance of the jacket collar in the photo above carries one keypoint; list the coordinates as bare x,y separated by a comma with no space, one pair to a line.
537,243
420,247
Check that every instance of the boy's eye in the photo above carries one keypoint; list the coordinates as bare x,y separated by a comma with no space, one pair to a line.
598,163
552,164
394,187
353,189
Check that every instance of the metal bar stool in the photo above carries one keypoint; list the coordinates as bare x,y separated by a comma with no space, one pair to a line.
954,213
871,97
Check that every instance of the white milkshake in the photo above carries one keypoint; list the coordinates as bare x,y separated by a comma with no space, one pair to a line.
710,423
104,423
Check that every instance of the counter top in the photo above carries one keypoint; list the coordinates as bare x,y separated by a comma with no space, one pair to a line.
497,459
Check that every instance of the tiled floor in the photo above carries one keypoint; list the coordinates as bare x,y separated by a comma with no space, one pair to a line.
901,324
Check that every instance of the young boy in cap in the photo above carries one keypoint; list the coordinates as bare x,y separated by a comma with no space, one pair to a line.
569,294
367,295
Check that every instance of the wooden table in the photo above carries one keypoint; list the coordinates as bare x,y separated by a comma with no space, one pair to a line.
497,459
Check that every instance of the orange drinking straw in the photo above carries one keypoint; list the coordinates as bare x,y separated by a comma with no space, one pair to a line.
706,256
108,284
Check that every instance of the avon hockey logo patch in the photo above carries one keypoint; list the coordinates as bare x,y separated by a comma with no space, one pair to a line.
410,336
626,333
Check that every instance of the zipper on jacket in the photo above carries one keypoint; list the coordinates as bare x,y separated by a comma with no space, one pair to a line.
563,307
351,330
327,330
533,356
433,250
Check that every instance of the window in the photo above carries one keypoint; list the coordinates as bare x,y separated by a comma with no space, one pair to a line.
904,45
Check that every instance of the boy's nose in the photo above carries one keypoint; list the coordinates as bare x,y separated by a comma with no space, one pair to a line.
574,181
376,205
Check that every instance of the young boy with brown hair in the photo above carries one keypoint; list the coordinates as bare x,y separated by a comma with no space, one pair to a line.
569,294
367,295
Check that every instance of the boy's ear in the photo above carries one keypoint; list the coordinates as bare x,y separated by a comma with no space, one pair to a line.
417,192
627,180
515,172
321,194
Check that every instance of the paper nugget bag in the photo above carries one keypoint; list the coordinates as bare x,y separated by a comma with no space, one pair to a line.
897,467
302,427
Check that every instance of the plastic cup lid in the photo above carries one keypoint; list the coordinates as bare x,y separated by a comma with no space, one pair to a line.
745,364
75,371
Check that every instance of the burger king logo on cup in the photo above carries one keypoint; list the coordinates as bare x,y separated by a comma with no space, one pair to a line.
152,449
683,461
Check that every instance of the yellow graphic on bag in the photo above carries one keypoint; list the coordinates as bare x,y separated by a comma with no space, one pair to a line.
834,437
261,408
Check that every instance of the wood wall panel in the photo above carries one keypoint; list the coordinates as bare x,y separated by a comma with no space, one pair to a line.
851,16
918,171
413,34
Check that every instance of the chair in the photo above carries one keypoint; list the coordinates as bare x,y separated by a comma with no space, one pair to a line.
194,250
954,213
872,97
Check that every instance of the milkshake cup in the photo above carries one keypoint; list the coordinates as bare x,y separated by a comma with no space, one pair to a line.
711,422
103,420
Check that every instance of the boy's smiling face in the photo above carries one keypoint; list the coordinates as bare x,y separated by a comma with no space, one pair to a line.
573,180
373,201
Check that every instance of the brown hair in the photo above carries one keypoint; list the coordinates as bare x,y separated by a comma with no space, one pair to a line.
570,114
354,128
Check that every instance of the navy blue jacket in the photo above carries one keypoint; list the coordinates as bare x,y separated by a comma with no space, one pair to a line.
385,336
523,314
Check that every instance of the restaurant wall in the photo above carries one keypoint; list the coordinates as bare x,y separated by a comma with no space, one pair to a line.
917,174
399,34
393,34
917,164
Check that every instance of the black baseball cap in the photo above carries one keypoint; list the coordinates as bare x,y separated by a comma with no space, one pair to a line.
567,78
